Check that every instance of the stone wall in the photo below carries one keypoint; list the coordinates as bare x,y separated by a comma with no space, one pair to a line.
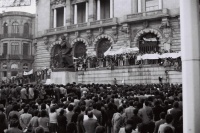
130,75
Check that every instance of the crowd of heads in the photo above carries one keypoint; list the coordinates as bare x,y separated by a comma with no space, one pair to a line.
91,108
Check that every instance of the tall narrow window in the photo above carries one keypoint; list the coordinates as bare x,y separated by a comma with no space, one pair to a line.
15,27
26,29
4,74
60,16
81,12
25,67
152,5
5,48
15,48
5,29
26,49
105,9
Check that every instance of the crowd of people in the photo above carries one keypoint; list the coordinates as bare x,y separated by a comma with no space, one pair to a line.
91,108
126,59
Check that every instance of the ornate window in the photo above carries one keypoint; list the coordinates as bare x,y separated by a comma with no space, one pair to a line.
105,9
148,43
15,27
26,29
14,66
80,50
15,48
25,67
102,47
4,66
26,48
5,28
152,5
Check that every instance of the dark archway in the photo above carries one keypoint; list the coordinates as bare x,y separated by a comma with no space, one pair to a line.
148,43
103,46
80,49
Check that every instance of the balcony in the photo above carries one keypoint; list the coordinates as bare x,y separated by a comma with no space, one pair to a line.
16,35
16,57
83,26
146,15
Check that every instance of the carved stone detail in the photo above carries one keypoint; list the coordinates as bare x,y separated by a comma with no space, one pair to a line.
77,34
165,23
101,30
145,24
89,37
114,32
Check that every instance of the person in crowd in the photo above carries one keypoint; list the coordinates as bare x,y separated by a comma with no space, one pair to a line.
90,124
14,123
33,124
169,119
97,113
25,118
129,110
100,129
62,122
136,119
146,112
3,120
70,113
39,130
53,120
43,121
117,120
159,122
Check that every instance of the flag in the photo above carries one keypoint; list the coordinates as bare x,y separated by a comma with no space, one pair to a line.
28,73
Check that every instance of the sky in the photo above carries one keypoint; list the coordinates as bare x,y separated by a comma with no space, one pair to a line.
29,9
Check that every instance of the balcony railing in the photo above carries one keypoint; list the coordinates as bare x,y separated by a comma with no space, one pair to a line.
16,35
87,25
154,13
17,57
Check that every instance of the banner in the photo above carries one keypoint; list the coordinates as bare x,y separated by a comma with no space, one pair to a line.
28,73
14,3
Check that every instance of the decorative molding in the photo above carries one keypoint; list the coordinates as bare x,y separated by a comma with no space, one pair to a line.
145,24
101,30
114,33
99,37
165,23
79,40
148,30
89,37
77,34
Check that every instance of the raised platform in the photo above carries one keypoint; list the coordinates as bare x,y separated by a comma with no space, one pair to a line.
63,77
146,74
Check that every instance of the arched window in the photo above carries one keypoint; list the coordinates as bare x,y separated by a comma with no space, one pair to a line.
4,66
15,27
5,28
80,50
148,43
25,67
26,29
102,47
14,66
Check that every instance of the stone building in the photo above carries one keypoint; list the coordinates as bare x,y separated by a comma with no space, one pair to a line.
16,52
95,25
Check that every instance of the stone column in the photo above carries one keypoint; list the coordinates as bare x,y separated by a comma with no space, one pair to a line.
86,12
139,6
69,10
111,8
54,18
75,13
64,18
134,6
92,10
98,10
190,48
160,4
143,5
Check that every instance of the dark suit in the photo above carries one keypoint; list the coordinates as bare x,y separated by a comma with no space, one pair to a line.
90,125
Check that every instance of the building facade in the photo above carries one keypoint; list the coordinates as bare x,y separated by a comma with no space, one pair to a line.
92,26
16,49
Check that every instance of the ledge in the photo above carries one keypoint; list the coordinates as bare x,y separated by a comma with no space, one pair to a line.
146,15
